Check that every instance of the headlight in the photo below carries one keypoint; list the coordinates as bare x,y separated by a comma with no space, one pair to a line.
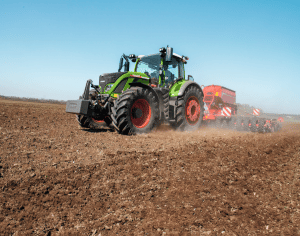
108,87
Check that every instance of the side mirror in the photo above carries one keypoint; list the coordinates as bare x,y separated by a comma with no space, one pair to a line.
120,64
190,77
169,54
162,52
126,65
132,57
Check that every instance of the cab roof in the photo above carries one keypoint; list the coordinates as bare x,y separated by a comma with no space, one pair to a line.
174,54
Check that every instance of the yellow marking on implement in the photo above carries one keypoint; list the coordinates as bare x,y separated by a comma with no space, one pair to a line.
217,93
115,95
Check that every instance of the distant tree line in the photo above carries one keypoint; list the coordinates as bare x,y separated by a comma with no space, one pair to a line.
33,99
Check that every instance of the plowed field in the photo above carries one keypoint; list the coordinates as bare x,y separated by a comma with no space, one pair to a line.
59,179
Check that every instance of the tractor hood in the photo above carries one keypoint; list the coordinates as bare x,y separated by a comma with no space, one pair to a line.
108,78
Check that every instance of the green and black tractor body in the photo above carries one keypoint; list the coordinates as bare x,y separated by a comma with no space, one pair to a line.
137,101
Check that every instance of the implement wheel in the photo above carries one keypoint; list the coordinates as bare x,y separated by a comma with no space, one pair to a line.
135,111
261,125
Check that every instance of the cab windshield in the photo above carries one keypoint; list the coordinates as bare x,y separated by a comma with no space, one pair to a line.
150,66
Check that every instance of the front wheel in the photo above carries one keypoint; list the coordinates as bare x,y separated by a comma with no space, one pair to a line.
92,123
88,122
189,111
135,111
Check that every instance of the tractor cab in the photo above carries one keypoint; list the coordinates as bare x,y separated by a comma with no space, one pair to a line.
161,71
149,65
174,70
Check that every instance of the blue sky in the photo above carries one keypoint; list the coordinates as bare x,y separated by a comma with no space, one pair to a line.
48,49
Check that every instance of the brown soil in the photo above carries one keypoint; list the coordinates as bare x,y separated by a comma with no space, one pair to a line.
59,179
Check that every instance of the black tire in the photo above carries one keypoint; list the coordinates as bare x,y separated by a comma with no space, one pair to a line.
166,99
227,123
244,124
238,125
187,114
224,124
261,125
231,123
248,125
218,123
164,104
272,128
253,125
274,125
136,111
279,126
88,122
83,121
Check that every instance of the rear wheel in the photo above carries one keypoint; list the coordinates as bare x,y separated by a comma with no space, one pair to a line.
189,111
135,111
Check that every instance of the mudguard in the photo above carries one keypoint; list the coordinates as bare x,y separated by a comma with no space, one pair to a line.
144,86
187,84
158,93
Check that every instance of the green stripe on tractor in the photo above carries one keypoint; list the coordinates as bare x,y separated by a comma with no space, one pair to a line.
130,80
159,78
176,87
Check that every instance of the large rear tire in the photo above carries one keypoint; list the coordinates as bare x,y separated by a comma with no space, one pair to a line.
190,110
136,111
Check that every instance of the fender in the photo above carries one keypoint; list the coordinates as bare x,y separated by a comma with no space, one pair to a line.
145,86
187,84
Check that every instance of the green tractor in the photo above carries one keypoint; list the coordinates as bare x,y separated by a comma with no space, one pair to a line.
137,101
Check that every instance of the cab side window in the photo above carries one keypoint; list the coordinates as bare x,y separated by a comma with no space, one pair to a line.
172,72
